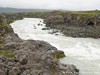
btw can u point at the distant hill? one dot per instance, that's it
(2, 10)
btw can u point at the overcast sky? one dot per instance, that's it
(52, 4)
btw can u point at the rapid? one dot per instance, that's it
(84, 53)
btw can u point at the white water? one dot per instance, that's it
(82, 52)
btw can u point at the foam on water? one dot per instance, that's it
(83, 52)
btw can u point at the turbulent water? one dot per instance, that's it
(82, 52)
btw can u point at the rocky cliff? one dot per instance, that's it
(28, 57)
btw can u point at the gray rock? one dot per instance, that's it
(26, 73)
(39, 24)
(2, 72)
(46, 73)
(45, 28)
(68, 69)
(10, 45)
(23, 60)
(3, 66)
(3, 69)
(2, 58)
(73, 68)
(36, 72)
(15, 71)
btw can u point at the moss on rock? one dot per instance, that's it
(58, 54)
(1, 42)
(4, 29)
(7, 54)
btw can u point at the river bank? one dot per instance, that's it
(75, 24)
(70, 24)
(79, 51)
(34, 57)
(84, 24)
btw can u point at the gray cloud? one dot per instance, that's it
(53, 4)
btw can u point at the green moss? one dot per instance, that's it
(58, 54)
(10, 21)
(1, 42)
(7, 54)
(5, 28)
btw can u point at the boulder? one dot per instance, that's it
(39, 24)
(23, 60)
(2, 58)
(45, 28)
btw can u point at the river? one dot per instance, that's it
(82, 52)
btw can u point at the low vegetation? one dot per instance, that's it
(1, 42)
(7, 53)
(4, 29)
(95, 12)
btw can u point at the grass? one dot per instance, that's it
(7, 54)
(1, 41)
(81, 13)
(87, 13)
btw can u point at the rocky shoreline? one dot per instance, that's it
(75, 25)
(71, 24)
(29, 57)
